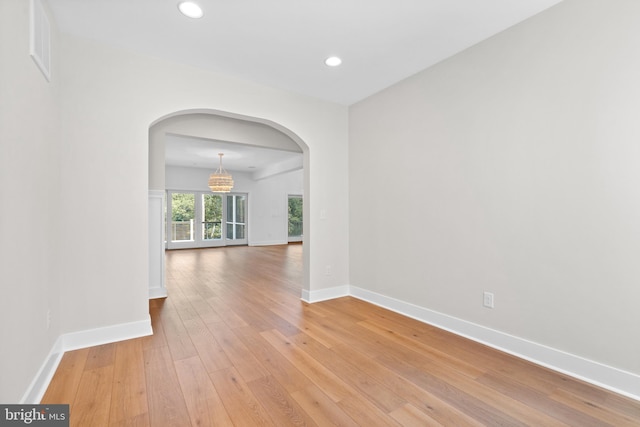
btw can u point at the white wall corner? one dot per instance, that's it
(40, 38)
(41, 381)
(75, 341)
(155, 293)
(324, 294)
(610, 378)
(156, 245)
(106, 335)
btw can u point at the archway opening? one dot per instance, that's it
(213, 125)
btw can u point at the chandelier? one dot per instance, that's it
(220, 181)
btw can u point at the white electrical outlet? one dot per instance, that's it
(48, 319)
(328, 270)
(487, 299)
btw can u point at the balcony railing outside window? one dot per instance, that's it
(182, 231)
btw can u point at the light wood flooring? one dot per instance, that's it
(235, 346)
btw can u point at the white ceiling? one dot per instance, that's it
(188, 151)
(283, 43)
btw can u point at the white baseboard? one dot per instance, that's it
(39, 385)
(325, 294)
(268, 243)
(106, 335)
(610, 378)
(75, 341)
(155, 293)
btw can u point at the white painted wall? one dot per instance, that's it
(514, 168)
(29, 187)
(269, 208)
(268, 198)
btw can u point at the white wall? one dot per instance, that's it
(515, 170)
(268, 208)
(29, 189)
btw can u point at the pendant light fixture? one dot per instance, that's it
(220, 181)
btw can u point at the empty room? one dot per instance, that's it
(140, 290)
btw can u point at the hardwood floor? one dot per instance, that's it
(234, 345)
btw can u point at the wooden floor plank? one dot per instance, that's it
(244, 361)
(366, 385)
(410, 416)
(241, 405)
(178, 339)
(323, 410)
(167, 405)
(428, 403)
(93, 400)
(204, 405)
(211, 353)
(406, 337)
(594, 409)
(101, 356)
(462, 399)
(230, 317)
(319, 374)
(205, 312)
(366, 413)
(282, 408)
(141, 420)
(65, 382)
(306, 321)
(278, 366)
(129, 396)
(536, 401)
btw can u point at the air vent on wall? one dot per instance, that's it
(40, 46)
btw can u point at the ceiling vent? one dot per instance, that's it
(40, 44)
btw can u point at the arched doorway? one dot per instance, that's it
(215, 125)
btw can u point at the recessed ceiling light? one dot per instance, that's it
(190, 9)
(333, 61)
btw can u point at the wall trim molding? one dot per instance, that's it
(77, 340)
(267, 243)
(157, 288)
(155, 293)
(106, 335)
(610, 378)
(41, 381)
(324, 294)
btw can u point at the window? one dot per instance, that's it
(236, 218)
(212, 221)
(182, 217)
(295, 218)
(203, 219)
